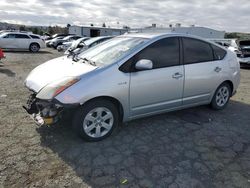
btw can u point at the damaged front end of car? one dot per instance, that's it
(43, 112)
(43, 107)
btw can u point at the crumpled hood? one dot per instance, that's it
(53, 70)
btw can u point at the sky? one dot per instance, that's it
(227, 15)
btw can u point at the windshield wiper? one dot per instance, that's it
(89, 61)
(74, 55)
(76, 58)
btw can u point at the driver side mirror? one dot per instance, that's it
(144, 64)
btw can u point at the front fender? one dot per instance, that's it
(108, 81)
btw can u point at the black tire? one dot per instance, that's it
(80, 115)
(217, 103)
(34, 47)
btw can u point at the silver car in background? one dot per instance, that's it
(71, 44)
(129, 77)
(86, 44)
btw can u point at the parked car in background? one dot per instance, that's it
(21, 40)
(46, 36)
(71, 44)
(129, 77)
(48, 42)
(232, 45)
(57, 41)
(84, 45)
(55, 35)
(244, 57)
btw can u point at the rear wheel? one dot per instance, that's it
(221, 96)
(34, 47)
(96, 120)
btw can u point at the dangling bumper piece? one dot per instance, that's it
(43, 112)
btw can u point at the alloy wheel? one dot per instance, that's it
(34, 48)
(98, 122)
(222, 96)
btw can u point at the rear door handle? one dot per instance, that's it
(217, 69)
(177, 75)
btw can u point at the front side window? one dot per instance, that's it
(196, 51)
(163, 53)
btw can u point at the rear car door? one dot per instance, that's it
(160, 88)
(203, 70)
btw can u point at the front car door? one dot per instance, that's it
(22, 41)
(161, 88)
(203, 70)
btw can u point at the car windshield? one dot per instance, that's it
(112, 50)
(76, 42)
(92, 40)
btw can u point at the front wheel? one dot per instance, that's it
(221, 96)
(96, 120)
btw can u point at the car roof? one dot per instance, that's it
(102, 37)
(25, 33)
(160, 35)
(17, 33)
(156, 36)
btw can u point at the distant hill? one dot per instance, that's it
(7, 26)
(35, 29)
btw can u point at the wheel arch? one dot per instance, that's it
(230, 84)
(35, 43)
(115, 101)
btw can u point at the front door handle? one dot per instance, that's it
(177, 75)
(217, 69)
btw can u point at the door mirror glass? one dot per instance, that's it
(144, 64)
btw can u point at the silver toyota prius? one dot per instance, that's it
(131, 76)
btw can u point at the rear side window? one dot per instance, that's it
(196, 51)
(21, 36)
(219, 53)
(35, 37)
(163, 53)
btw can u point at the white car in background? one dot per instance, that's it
(21, 40)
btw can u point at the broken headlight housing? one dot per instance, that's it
(53, 89)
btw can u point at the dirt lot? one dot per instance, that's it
(196, 147)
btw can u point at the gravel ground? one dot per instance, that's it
(196, 147)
